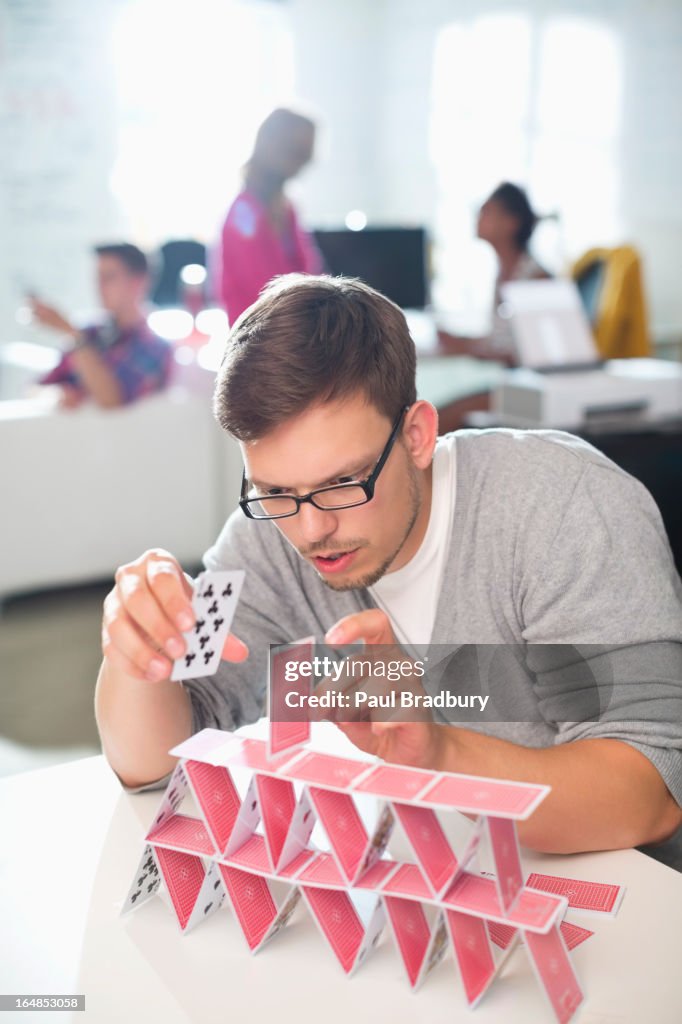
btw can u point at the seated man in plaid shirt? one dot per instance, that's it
(120, 360)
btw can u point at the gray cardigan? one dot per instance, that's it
(558, 570)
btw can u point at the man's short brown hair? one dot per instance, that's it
(309, 340)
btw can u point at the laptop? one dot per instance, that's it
(549, 325)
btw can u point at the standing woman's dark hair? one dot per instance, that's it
(515, 202)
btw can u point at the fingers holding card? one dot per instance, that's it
(214, 603)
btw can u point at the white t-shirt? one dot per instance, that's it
(409, 596)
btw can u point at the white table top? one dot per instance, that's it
(72, 840)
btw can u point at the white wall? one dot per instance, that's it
(58, 145)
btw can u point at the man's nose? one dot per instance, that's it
(315, 524)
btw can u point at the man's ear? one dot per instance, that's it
(420, 431)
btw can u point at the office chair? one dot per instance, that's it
(173, 256)
(611, 287)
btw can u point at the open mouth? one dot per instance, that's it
(335, 562)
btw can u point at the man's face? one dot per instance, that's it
(118, 288)
(329, 444)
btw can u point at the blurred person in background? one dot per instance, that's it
(506, 220)
(261, 237)
(119, 360)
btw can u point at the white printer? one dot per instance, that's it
(561, 382)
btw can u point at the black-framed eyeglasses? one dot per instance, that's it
(345, 495)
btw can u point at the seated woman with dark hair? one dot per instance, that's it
(506, 221)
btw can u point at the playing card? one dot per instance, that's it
(211, 897)
(325, 770)
(296, 864)
(199, 746)
(146, 882)
(300, 829)
(392, 782)
(289, 727)
(183, 833)
(339, 922)
(174, 794)
(573, 934)
(373, 930)
(323, 871)
(244, 752)
(500, 934)
(277, 803)
(342, 823)
(473, 894)
(253, 855)
(411, 931)
(378, 842)
(214, 603)
(377, 875)
(407, 881)
(475, 795)
(474, 955)
(247, 819)
(283, 915)
(252, 901)
(217, 797)
(183, 875)
(554, 969)
(598, 897)
(505, 847)
(438, 947)
(431, 847)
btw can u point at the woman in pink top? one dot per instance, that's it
(261, 236)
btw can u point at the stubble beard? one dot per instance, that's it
(373, 577)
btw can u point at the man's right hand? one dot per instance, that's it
(145, 614)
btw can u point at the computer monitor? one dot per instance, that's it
(392, 260)
(549, 325)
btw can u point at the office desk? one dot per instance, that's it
(66, 863)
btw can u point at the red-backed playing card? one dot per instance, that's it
(277, 803)
(252, 901)
(431, 847)
(376, 875)
(300, 829)
(393, 782)
(473, 952)
(412, 933)
(184, 833)
(343, 825)
(408, 880)
(476, 895)
(183, 874)
(550, 958)
(217, 796)
(500, 934)
(252, 855)
(505, 846)
(485, 796)
(600, 897)
(339, 923)
(325, 770)
(324, 871)
(573, 934)
(289, 726)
